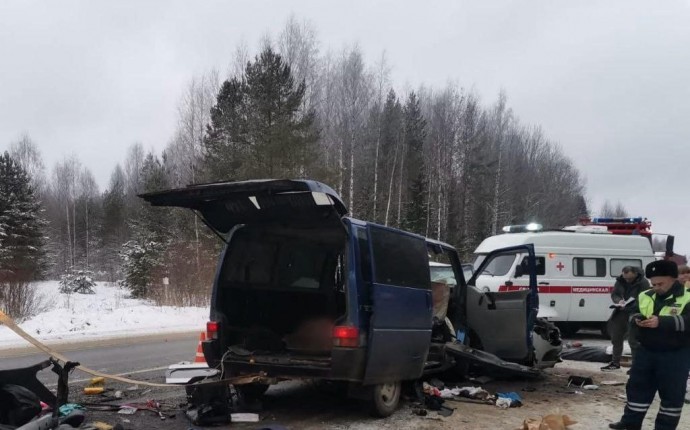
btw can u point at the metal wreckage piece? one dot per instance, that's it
(26, 378)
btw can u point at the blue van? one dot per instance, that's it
(303, 291)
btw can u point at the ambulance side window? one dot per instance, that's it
(540, 262)
(617, 265)
(589, 267)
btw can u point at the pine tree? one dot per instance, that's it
(143, 256)
(226, 137)
(391, 137)
(257, 128)
(415, 132)
(113, 230)
(21, 226)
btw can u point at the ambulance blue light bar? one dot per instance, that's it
(622, 220)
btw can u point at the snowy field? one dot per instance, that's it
(106, 314)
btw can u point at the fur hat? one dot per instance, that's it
(662, 268)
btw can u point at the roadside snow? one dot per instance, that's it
(106, 314)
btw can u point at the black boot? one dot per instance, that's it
(611, 366)
(623, 426)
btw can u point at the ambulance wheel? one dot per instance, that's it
(568, 329)
(385, 399)
(605, 331)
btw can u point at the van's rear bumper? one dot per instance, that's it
(345, 364)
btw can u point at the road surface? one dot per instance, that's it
(146, 356)
(305, 406)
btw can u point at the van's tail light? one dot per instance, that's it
(346, 336)
(212, 329)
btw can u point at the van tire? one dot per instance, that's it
(385, 399)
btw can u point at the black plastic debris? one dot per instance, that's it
(18, 405)
(579, 381)
(591, 354)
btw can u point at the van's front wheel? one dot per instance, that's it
(385, 399)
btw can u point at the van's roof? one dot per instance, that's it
(363, 223)
(571, 243)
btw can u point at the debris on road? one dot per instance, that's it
(579, 381)
(612, 383)
(127, 410)
(96, 386)
(26, 403)
(508, 400)
(592, 354)
(244, 417)
(187, 373)
(68, 408)
(548, 422)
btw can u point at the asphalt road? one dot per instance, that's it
(146, 356)
(296, 405)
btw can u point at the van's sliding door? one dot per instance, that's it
(400, 326)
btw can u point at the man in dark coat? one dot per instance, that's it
(629, 284)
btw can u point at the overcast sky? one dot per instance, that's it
(609, 81)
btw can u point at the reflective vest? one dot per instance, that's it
(673, 305)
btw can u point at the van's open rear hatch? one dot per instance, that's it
(226, 204)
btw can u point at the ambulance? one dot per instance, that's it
(577, 267)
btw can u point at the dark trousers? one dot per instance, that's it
(620, 328)
(652, 371)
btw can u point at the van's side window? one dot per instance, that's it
(589, 267)
(617, 265)
(399, 259)
(540, 262)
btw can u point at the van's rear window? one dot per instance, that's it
(400, 259)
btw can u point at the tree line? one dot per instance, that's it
(435, 161)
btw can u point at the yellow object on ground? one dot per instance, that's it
(93, 390)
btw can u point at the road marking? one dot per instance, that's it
(135, 372)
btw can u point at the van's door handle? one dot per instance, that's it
(544, 283)
(428, 301)
(582, 303)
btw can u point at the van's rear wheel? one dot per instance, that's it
(385, 399)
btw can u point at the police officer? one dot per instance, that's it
(663, 359)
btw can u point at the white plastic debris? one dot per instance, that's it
(612, 383)
(503, 402)
(449, 393)
(474, 393)
(244, 417)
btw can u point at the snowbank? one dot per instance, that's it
(106, 314)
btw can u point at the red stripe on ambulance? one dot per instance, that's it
(560, 289)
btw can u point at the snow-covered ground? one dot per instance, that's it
(106, 314)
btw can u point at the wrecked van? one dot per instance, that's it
(303, 291)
